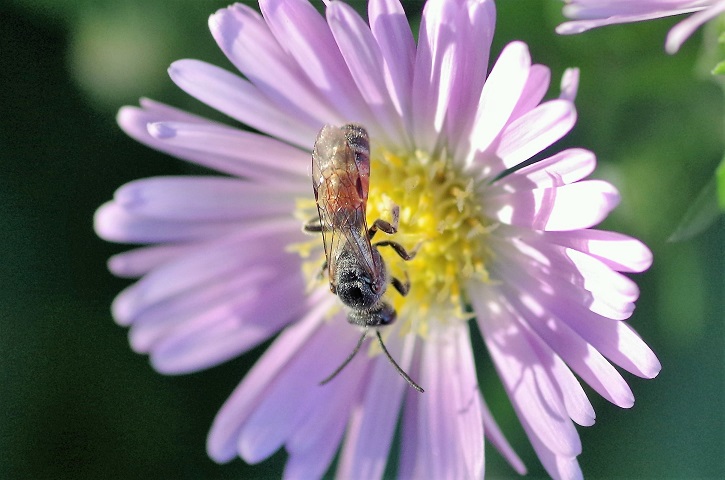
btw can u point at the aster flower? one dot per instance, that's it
(503, 239)
(597, 13)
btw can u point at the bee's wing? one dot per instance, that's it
(358, 141)
(357, 234)
(330, 236)
(341, 194)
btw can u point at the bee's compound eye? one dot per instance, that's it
(387, 315)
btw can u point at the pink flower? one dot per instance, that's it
(596, 13)
(503, 239)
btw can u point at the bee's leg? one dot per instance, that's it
(323, 268)
(389, 228)
(381, 225)
(312, 226)
(399, 249)
(402, 288)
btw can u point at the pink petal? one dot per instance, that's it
(215, 301)
(619, 252)
(535, 399)
(565, 167)
(559, 467)
(569, 84)
(579, 26)
(449, 431)
(469, 417)
(315, 442)
(474, 25)
(221, 258)
(303, 32)
(372, 426)
(206, 346)
(222, 439)
(685, 28)
(204, 199)
(256, 157)
(135, 121)
(569, 207)
(500, 95)
(238, 98)
(597, 277)
(584, 359)
(392, 32)
(113, 223)
(496, 437)
(365, 61)
(615, 340)
(246, 40)
(620, 343)
(576, 403)
(606, 8)
(413, 447)
(551, 270)
(534, 131)
(295, 392)
(572, 394)
(552, 435)
(222, 331)
(330, 406)
(434, 71)
(536, 87)
(159, 111)
(137, 262)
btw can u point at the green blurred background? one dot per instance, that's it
(77, 403)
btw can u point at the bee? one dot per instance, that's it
(355, 268)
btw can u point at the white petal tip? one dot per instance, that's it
(672, 47)
(653, 370)
(215, 18)
(569, 84)
(571, 28)
(121, 311)
(118, 266)
(217, 450)
(249, 448)
(124, 113)
(176, 68)
(161, 131)
(164, 366)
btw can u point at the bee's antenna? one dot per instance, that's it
(387, 354)
(397, 367)
(349, 358)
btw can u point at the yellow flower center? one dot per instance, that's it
(440, 218)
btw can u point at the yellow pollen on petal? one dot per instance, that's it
(306, 212)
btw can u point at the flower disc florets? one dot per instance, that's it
(440, 216)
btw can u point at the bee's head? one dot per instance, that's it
(380, 315)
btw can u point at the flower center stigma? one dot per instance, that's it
(440, 219)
